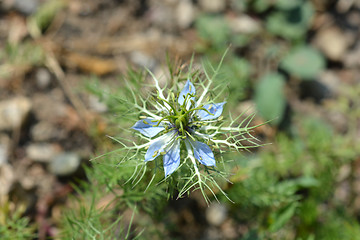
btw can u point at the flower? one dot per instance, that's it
(180, 119)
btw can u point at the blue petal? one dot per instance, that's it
(188, 88)
(158, 146)
(203, 153)
(172, 159)
(214, 108)
(146, 127)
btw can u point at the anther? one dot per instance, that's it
(155, 153)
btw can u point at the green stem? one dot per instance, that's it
(199, 108)
(162, 119)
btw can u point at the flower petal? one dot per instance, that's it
(214, 108)
(158, 145)
(188, 88)
(203, 153)
(147, 127)
(172, 158)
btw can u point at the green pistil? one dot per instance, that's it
(188, 95)
(166, 101)
(180, 116)
(162, 119)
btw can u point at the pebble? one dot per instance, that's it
(43, 78)
(333, 43)
(163, 16)
(212, 6)
(96, 105)
(352, 58)
(142, 59)
(244, 24)
(44, 131)
(7, 178)
(13, 112)
(4, 148)
(331, 80)
(216, 214)
(185, 14)
(64, 164)
(42, 152)
(344, 173)
(26, 7)
(49, 107)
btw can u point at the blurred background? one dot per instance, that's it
(295, 62)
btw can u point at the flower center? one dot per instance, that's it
(181, 121)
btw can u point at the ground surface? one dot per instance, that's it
(48, 119)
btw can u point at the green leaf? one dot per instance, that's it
(281, 217)
(270, 98)
(291, 23)
(262, 5)
(286, 4)
(305, 62)
(214, 29)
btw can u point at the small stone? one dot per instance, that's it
(4, 148)
(7, 178)
(352, 58)
(44, 131)
(27, 7)
(216, 214)
(163, 16)
(244, 24)
(331, 80)
(13, 112)
(212, 6)
(229, 229)
(49, 107)
(42, 152)
(185, 14)
(333, 43)
(343, 6)
(342, 192)
(43, 78)
(33, 178)
(3, 155)
(344, 172)
(64, 164)
(142, 59)
(96, 105)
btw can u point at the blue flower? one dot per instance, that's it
(182, 122)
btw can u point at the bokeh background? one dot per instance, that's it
(295, 62)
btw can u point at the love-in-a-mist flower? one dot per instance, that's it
(182, 127)
(182, 122)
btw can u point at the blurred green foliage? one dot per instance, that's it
(269, 97)
(13, 223)
(304, 62)
(289, 188)
(291, 19)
